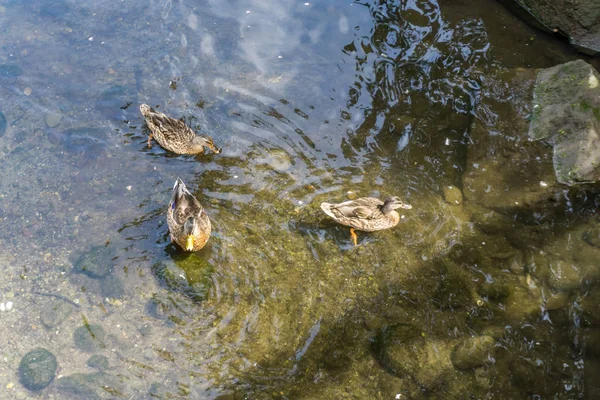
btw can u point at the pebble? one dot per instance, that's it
(37, 369)
(453, 195)
(9, 305)
(53, 118)
(2, 307)
(27, 91)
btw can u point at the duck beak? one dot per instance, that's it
(189, 243)
(406, 206)
(216, 150)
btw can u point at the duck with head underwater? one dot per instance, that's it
(189, 225)
(366, 214)
(174, 135)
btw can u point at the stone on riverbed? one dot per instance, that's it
(3, 124)
(54, 312)
(37, 369)
(566, 115)
(96, 263)
(404, 350)
(473, 352)
(90, 338)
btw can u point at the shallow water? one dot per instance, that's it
(310, 102)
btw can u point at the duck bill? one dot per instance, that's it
(406, 206)
(189, 243)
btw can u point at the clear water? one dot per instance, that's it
(310, 102)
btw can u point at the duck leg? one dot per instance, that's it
(149, 140)
(354, 236)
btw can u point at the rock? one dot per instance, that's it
(3, 124)
(473, 352)
(557, 301)
(55, 9)
(53, 118)
(590, 306)
(592, 237)
(566, 115)
(453, 195)
(98, 361)
(172, 275)
(37, 369)
(112, 286)
(90, 338)
(96, 263)
(577, 20)
(403, 350)
(54, 312)
(10, 71)
(94, 386)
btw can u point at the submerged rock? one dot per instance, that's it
(473, 352)
(10, 71)
(90, 338)
(566, 115)
(96, 263)
(403, 350)
(37, 369)
(54, 312)
(577, 20)
(453, 195)
(98, 361)
(3, 124)
(94, 386)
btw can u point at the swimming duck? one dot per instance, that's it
(366, 214)
(189, 225)
(174, 135)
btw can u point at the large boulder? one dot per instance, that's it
(566, 115)
(578, 20)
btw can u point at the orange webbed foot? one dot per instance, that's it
(354, 236)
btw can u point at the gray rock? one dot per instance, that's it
(98, 361)
(37, 369)
(54, 312)
(10, 71)
(94, 386)
(566, 115)
(90, 338)
(53, 118)
(473, 352)
(577, 20)
(112, 286)
(96, 263)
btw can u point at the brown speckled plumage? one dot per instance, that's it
(185, 209)
(174, 135)
(367, 213)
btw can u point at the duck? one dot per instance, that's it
(367, 214)
(174, 135)
(189, 225)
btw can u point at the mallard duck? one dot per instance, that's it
(366, 214)
(174, 135)
(189, 225)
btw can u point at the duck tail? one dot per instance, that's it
(179, 192)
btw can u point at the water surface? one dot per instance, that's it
(311, 102)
